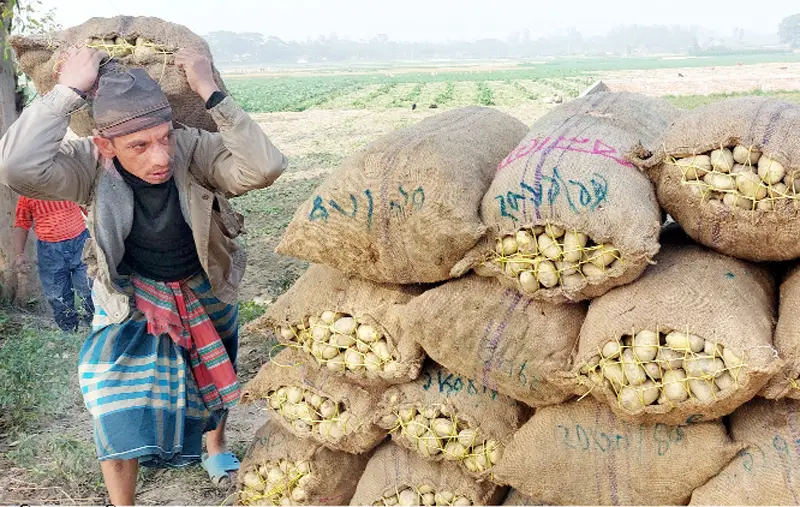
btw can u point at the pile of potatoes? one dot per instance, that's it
(311, 413)
(281, 482)
(431, 433)
(547, 256)
(422, 495)
(340, 343)
(739, 177)
(664, 367)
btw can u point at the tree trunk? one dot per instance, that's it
(20, 289)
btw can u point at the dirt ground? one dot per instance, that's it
(706, 80)
(315, 141)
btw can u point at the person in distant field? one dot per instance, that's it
(60, 233)
(158, 370)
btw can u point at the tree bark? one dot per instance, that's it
(17, 288)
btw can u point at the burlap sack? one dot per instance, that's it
(405, 209)
(478, 328)
(333, 475)
(767, 125)
(764, 473)
(321, 289)
(580, 453)
(38, 57)
(393, 469)
(785, 384)
(571, 171)
(473, 406)
(690, 290)
(356, 404)
(514, 497)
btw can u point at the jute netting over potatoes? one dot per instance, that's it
(312, 404)
(282, 469)
(476, 327)
(691, 339)
(786, 383)
(765, 472)
(397, 476)
(405, 208)
(142, 42)
(569, 216)
(729, 174)
(443, 416)
(346, 325)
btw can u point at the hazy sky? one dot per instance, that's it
(435, 20)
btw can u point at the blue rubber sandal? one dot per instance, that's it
(218, 467)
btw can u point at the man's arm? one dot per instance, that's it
(240, 157)
(35, 161)
(19, 234)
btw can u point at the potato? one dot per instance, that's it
(722, 160)
(634, 372)
(645, 345)
(725, 381)
(669, 359)
(750, 185)
(548, 247)
(705, 391)
(614, 373)
(528, 282)
(566, 268)
(778, 190)
(509, 245)
(367, 333)
(765, 205)
(700, 366)
(635, 398)
(574, 243)
(603, 255)
(674, 385)
(547, 274)
(770, 171)
(553, 231)
(732, 200)
(526, 243)
(593, 273)
(345, 326)
(744, 155)
(572, 281)
(694, 167)
(611, 349)
(685, 342)
(719, 181)
(653, 370)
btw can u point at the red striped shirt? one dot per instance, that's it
(52, 221)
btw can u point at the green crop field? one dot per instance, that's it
(505, 87)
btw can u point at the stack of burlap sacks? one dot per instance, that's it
(549, 338)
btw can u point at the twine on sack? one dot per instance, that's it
(463, 442)
(748, 193)
(554, 265)
(369, 358)
(704, 366)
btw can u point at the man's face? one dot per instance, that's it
(147, 154)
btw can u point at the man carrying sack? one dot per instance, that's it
(157, 370)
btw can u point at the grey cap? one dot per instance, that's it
(127, 102)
